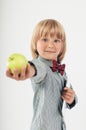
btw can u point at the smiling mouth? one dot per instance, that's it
(50, 51)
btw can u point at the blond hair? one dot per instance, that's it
(48, 27)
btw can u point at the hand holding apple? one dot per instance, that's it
(16, 61)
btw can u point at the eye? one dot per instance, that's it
(57, 40)
(45, 39)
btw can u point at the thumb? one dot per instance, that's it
(66, 88)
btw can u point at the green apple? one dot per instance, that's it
(16, 61)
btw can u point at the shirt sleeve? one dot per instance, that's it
(69, 106)
(41, 71)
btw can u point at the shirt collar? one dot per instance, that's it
(48, 62)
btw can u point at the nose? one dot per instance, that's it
(50, 44)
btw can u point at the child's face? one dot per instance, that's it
(49, 47)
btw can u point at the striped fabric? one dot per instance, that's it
(47, 102)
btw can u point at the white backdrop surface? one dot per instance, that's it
(17, 20)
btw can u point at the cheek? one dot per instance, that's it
(59, 48)
(40, 48)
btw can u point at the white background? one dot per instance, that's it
(17, 20)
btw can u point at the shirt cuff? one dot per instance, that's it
(72, 104)
(33, 67)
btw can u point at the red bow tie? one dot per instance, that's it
(58, 67)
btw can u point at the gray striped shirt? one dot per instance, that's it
(47, 102)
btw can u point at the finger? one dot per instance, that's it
(69, 90)
(8, 73)
(16, 74)
(67, 99)
(66, 89)
(23, 71)
(23, 74)
(69, 93)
